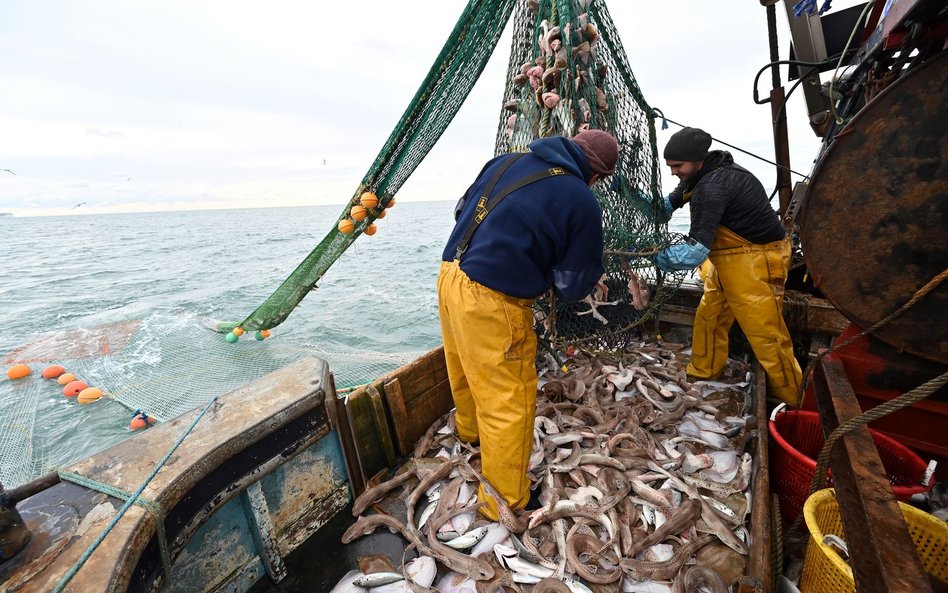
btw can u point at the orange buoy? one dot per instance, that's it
(89, 395)
(73, 389)
(18, 371)
(140, 420)
(238, 331)
(358, 212)
(346, 226)
(381, 214)
(66, 378)
(369, 200)
(51, 372)
(265, 333)
(391, 203)
(370, 230)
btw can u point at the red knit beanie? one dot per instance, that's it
(601, 149)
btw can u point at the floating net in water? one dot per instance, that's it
(166, 365)
(584, 81)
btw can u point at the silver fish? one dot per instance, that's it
(377, 579)
(469, 539)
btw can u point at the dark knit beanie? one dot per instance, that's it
(601, 149)
(688, 144)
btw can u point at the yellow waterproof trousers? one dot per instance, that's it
(490, 348)
(746, 282)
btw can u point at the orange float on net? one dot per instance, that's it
(391, 203)
(75, 388)
(370, 230)
(265, 333)
(369, 200)
(18, 371)
(89, 395)
(346, 226)
(66, 378)
(358, 212)
(238, 331)
(140, 420)
(51, 372)
(381, 214)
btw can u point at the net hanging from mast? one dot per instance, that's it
(567, 72)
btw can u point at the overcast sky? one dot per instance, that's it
(132, 106)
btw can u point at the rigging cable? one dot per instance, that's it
(656, 112)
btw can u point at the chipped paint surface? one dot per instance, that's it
(218, 550)
(301, 483)
(100, 512)
(264, 538)
(243, 431)
(301, 529)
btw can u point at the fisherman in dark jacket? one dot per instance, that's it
(538, 225)
(734, 227)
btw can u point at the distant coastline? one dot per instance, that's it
(6, 214)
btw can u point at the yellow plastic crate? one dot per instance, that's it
(824, 571)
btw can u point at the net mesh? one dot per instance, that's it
(584, 81)
(568, 72)
(168, 365)
(437, 101)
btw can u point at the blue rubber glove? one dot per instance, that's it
(681, 257)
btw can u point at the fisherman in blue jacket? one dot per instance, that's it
(529, 222)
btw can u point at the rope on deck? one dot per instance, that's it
(146, 503)
(894, 405)
(919, 294)
(903, 401)
(132, 499)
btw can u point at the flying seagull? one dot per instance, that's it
(8, 171)
(79, 204)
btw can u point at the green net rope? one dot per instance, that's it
(567, 72)
(437, 101)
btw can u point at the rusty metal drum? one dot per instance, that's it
(874, 226)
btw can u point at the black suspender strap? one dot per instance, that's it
(487, 202)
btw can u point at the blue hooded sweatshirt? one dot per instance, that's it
(548, 233)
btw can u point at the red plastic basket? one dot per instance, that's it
(797, 438)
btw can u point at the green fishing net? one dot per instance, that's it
(568, 71)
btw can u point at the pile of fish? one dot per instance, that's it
(642, 477)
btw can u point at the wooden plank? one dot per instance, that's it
(880, 548)
(821, 316)
(370, 448)
(419, 377)
(760, 552)
(425, 408)
(382, 427)
(338, 418)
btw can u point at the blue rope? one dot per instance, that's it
(149, 505)
(128, 503)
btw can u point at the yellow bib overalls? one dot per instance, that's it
(746, 282)
(490, 349)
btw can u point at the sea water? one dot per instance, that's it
(168, 274)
